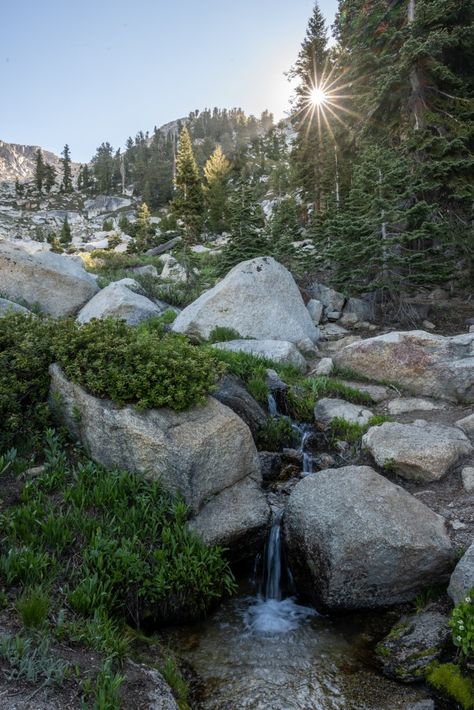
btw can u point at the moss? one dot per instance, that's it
(449, 680)
(382, 650)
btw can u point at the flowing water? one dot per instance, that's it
(267, 652)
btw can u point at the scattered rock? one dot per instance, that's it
(59, 285)
(231, 392)
(378, 393)
(146, 270)
(332, 331)
(427, 364)
(163, 248)
(279, 351)
(331, 300)
(119, 302)
(172, 270)
(333, 315)
(324, 367)
(467, 424)
(468, 479)
(420, 451)
(402, 405)
(201, 453)
(462, 579)
(356, 540)
(357, 310)
(413, 644)
(258, 299)
(328, 409)
(428, 325)
(315, 309)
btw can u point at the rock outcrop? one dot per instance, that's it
(280, 351)
(356, 540)
(327, 409)
(201, 453)
(424, 363)
(258, 299)
(56, 283)
(231, 392)
(118, 301)
(418, 451)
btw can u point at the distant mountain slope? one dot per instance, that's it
(17, 162)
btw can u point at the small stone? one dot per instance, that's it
(471, 328)
(402, 405)
(315, 309)
(457, 524)
(429, 325)
(324, 367)
(333, 315)
(327, 409)
(468, 479)
(466, 424)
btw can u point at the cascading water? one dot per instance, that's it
(272, 612)
(305, 431)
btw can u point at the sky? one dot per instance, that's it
(86, 71)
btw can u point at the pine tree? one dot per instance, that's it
(39, 170)
(188, 203)
(50, 177)
(216, 173)
(65, 236)
(313, 139)
(284, 228)
(103, 168)
(247, 237)
(143, 230)
(66, 182)
(19, 188)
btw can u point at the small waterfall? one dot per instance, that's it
(304, 432)
(272, 406)
(273, 560)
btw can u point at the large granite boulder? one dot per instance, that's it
(424, 363)
(8, 307)
(280, 351)
(356, 540)
(57, 283)
(118, 301)
(462, 579)
(418, 451)
(105, 203)
(258, 299)
(199, 453)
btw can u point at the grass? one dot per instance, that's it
(33, 607)
(303, 397)
(340, 429)
(177, 683)
(449, 680)
(276, 434)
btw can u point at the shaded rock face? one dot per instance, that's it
(462, 579)
(259, 299)
(199, 453)
(327, 409)
(118, 301)
(426, 364)
(105, 203)
(332, 300)
(418, 451)
(356, 540)
(413, 644)
(233, 394)
(279, 351)
(59, 285)
(8, 307)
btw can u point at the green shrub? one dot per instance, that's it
(276, 434)
(448, 679)
(25, 354)
(107, 225)
(33, 607)
(221, 334)
(462, 625)
(136, 366)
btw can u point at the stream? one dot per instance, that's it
(265, 651)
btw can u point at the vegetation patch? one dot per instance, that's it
(449, 680)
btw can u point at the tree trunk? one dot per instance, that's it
(417, 99)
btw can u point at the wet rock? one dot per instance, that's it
(279, 351)
(402, 405)
(462, 579)
(258, 299)
(118, 301)
(418, 451)
(413, 644)
(426, 364)
(270, 464)
(231, 392)
(328, 409)
(356, 540)
(58, 284)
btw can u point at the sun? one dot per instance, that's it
(318, 96)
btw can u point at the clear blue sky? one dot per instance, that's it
(86, 71)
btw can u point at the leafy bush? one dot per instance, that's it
(462, 625)
(276, 434)
(133, 366)
(448, 679)
(25, 354)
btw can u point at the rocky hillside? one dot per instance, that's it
(17, 162)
